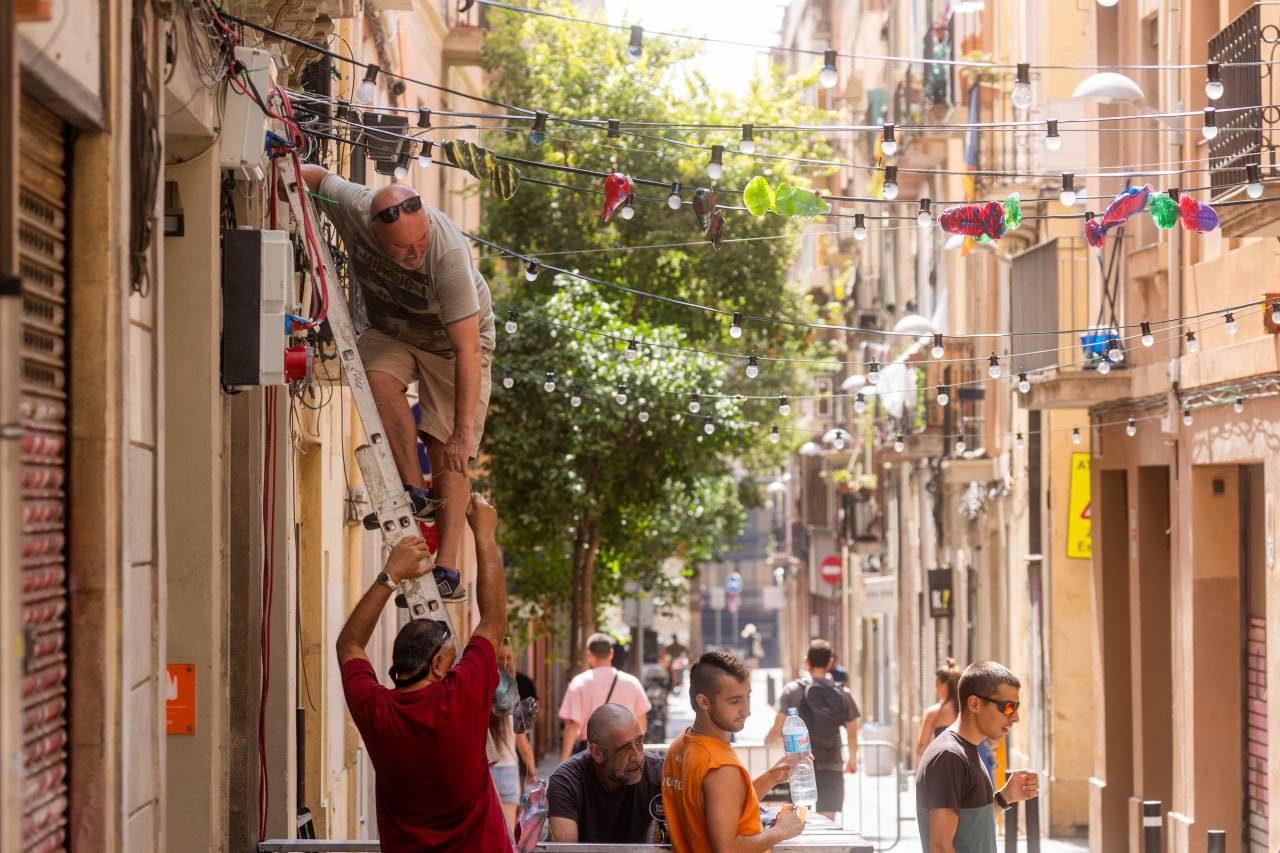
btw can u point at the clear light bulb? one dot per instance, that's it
(532, 270)
(508, 382)
(1210, 131)
(827, 77)
(1193, 345)
(538, 134)
(735, 328)
(753, 370)
(839, 440)
(635, 48)
(1147, 338)
(1104, 366)
(633, 351)
(1022, 96)
(1131, 428)
(1254, 189)
(1067, 197)
(511, 325)
(621, 395)
(1187, 419)
(859, 402)
(889, 147)
(1076, 438)
(1238, 406)
(401, 173)
(937, 351)
(890, 191)
(943, 396)
(960, 445)
(1213, 89)
(674, 201)
(873, 373)
(1275, 313)
(365, 93)
(709, 427)
(643, 416)
(774, 435)
(747, 146)
(695, 404)
(550, 384)
(784, 408)
(1052, 139)
(924, 219)
(1116, 354)
(1024, 384)
(628, 211)
(859, 230)
(715, 171)
(575, 401)
(1019, 442)
(1231, 325)
(993, 368)
(898, 444)
(424, 160)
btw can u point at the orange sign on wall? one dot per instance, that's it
(180, 699)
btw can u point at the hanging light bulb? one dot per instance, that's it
(1103, 367)
(993, 366)
(424, 154)
(1213, 88)
(1192, 344)
(643, 416)
(1275, 313)
(575, 399)
(753, 366)
(1253, 175)
(774, 435)
(888, 144)
(735, 327)
(1021, 95)
(532, 270)
(1131, 428)
(550, 384)
(367, 89)
(1019, 442)
(748, 143)
(633, 350)
(960, 445)
(511, 325)
(715, 169)
(1076, 438)
(1238, 406)
(508, 381)
(898, 444)
(784, 408)
(621, 395)
(695, 404)
(890, 189)
(827, 77)
(1115, 352)
(1052, 140)
(937, 351)
(424, 118)
(1068, 194)
(873, 373)
(859, 402)
(943, 396)
(1187, 420)
(402, 165)
(1147, 338)
(925, 218)
(859, 226)
(628, 209)
(709, 426)
(838, 442)
(538, 135)
(1210, 129)
(636, 47)
(1024, 384)
(674, 200)
(1231, 325)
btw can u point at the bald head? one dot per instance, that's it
(610, 723)
(404, 241)
(617, 745)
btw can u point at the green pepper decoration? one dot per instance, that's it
(1012, 212)
(1164, 211)
(758, 196)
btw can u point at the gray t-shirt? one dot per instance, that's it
(413, 306)
(951, 776)
(824, 730)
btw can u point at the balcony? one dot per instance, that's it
(1246, 137)
(464, 43)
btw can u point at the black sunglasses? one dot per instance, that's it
(412, 204)
(1006, 706)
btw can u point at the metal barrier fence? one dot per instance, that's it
(877, 754)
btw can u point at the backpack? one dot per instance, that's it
(823, 711)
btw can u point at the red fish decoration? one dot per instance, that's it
(974, 220)
(1124, 206)
(617, 187)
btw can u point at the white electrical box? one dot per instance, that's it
(242, 145)
(257, 274)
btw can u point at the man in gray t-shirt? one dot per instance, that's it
(431, 319)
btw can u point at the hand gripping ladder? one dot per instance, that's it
(378, 467)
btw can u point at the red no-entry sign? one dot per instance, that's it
(831, 569)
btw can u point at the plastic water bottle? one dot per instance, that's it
(795, 738)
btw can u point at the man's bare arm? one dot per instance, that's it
(775, 733)
(564, 830)
(464, 335)
(405, 562)
(942, 830)
(568, 738)
(491, 582)
(312, 175)
(723, 793)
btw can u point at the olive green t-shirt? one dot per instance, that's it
(951, 776)
(414, 306)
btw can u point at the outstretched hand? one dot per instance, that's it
(408, 559)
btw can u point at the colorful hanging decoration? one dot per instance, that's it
(758, 196)
(785, 200)
(1012, 212)
(617, 187)
(1121, 209)
(985, 219)
(482, 164)
(1163, 210)
(709, 217)
(1197, 216)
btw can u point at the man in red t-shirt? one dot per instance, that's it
(426, 738)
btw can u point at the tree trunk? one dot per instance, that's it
(581, 602)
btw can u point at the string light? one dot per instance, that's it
(709, 426)
(1210, 129)
(1131, 428)
(925, 217)
(532, 270)
(898, 444)
(1103, 366)
(715, 169)
(695, 404)
(615, 128)
(1238, 406)
(735, 327)
(366, 91)
(1213, 88)
(890, 189)
(748, 143)
(1024, 384)
(424, 154)
(873, 373)
(1021, 95)
(538, 134)
(1019, 442)
(859, 402)
(402, 165)
(784, 408)
(1231, 325)
(628, 209)
(621, 395)
(753, 366)
(859, 226)
(635, 49)
(424, 118)
(888, 144)
(774, 435)
(1275, 313)
(1052, 139)
(1115, 352)
(993, 366)
(943, 396)
(511, 325)
(827, 77)
(1187, 420)
(550, 384)
(1253, 174)
(633, 350)
(838, 441)
(575, 399)
(937, 351)
(1068, 194)
(960, 445)
(674, 201)
(508, 381)
(1147, 338)
(1076, 438)
(1192, 344)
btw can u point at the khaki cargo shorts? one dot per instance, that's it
(434, 375)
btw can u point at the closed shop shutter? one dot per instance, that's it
(43, 409)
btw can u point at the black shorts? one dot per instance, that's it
(830, 790)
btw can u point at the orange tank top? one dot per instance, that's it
(689, 759)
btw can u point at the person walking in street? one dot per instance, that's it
(431, 322)
(941, 714)
(426, 737)
(709, 799)
(511, 762)
(954, 794)
(611, 792)
(599, 685)
(826, 708)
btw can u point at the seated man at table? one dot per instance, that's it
(606, 794)
(710, 802)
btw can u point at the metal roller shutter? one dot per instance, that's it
(42, 248)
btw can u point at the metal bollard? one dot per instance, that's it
(1217, 841)
(771, 690)
(1152, 826)
(1033, 825)
(1011, 829)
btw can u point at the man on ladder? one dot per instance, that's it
(431, 321)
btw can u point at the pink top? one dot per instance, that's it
(588, 690)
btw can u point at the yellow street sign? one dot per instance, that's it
(1079, 522)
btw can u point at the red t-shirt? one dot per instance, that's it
(427, 746)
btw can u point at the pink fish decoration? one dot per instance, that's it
(617, 187)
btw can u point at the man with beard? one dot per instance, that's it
(954, 794)
(431, 319)
(606, 793)
(710, 801)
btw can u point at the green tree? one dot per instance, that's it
(592, 496)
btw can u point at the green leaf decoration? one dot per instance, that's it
(1012, 212)
(758, 196)
(1164, 211)
(793, 201)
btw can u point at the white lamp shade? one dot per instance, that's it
(1109, 87)
(915, 324)
(856, 382)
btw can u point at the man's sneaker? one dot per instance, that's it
(448, 584)
(424, 507)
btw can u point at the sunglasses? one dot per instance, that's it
(412, 204)
(1006, 706)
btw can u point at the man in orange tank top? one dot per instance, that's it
(709, 800)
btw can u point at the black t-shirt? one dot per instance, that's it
(951, 776)
(621, 817)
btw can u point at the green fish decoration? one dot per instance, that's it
(1164, 211)
(758, 196)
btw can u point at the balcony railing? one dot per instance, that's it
(1244, 137)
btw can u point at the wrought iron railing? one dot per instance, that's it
(1243, 136)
